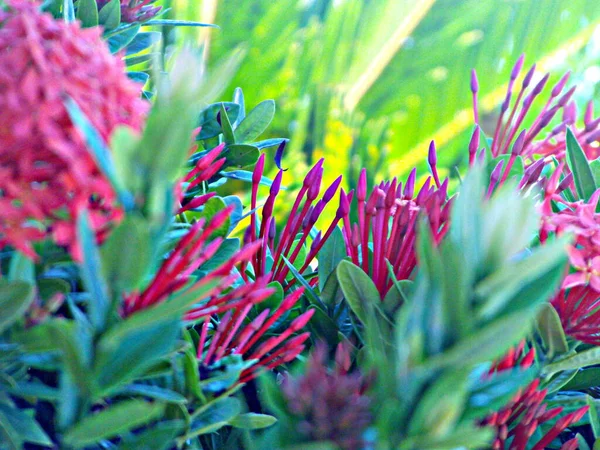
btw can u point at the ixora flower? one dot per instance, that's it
(135, 10)
(290, 244)
(519, 423)
(47, 174)
(387, 218)
(579, 312)
(539, 139)
(329, 405)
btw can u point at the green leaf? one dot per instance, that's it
(488, 343)
(577, 361)
(159, 437)
(228, 134)
(141, 42)
(15, 298)
(216, 416)
(208, 119)
(252, 421)
(21, 268)
(120, 40)
(256, 122)
(332, 252)
(242, 155)
(92, 274)
(579, 166)
(154, 392)
(584, 379)
(110, 15)
(245, 175)
(139, 77)
(68, 11)
(87, 13)
(130, 348)
(17, 427)
(525, 283)
(177, 23)
(551, 331)
(97, 147)
(226, 250)
(126, 254)
(359, 291)
(112, 422)
(212, 207)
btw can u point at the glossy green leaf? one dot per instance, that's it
(216, 416)
(551, 331)
(579, 166)
(68, 11)
(92, 273)
(210, 127)
(87, 13)
(120, 40)
(241, 155)
(126, 254)
(110, 15)
(332, 252)
(17, 427)
(212, 207)
(21, 268)
(154, 393)
(252, 421)
(359, 291)
(256, 122)
(227, 129)
(159, 437)
(112, 422)
(579, 360)
(226, 250)
(15, 298)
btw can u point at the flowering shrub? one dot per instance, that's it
(143, 307)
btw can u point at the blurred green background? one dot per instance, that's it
(367, 83)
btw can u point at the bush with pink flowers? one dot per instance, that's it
(143, 305)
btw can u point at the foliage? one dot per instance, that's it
(431, 315)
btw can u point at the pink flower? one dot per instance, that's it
(518, 421)
(255, 339)
(578, 309)
(135, 10)
(47, 174)
(304, 213)
(388, 219)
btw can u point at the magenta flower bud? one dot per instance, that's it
(536, 171)
(592, 125)
(474, 143)
(570, 113)
(315, 186)
(313, 173)
(566, 97)
(443, 191)
(374, 200)
(424, 191)
(540, 86)
(595, 136)
(344, 207)
(481, 156)
(547, 117)
(528, 77)
(272, 228)
(276, 186)
(409, 187)
(565, 183)
(518, 145)
(432, 156)
(495, 176)
(355, 238)
(331, 190)
(247, 235)
(315, 243)
(517, 67)
(558, 87)
(258, 169)
(506, 103)
(390, 196)
(361, 188)
(474, 82)
(314, 215)
(589, 113)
